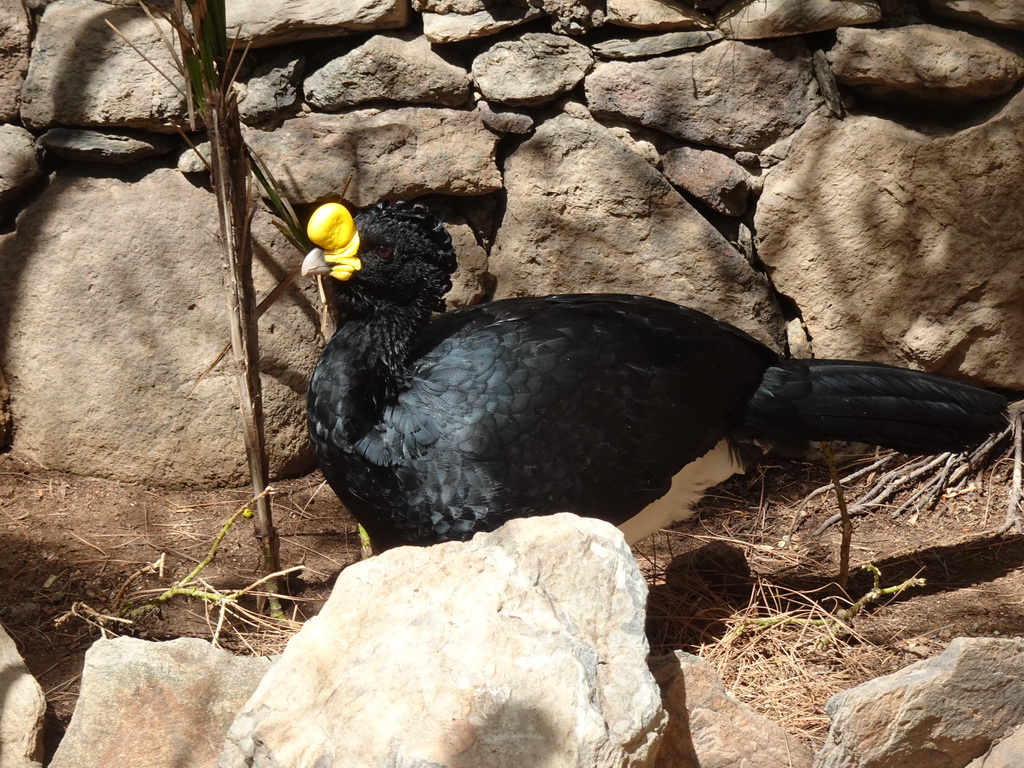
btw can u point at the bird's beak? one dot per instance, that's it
(338, 266)
(333, 230)
(315, 263)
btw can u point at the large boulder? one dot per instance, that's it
(641, 46)
(714, 178)
(106, 329)
(449, 21)
(996, 13)
(490, 653)
(532, 70)
(902, 245)
(1005, 754)
(586, 214)
(271, 87)
(115, 147)
(655, 15)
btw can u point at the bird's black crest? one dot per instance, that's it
(441, 254)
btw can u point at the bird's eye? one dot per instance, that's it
(384, 252)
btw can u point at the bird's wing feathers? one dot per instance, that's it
(504, 398)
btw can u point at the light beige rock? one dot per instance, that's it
(390, 69)
(455, 25)
(584, 213)
(19, 163)
(117, 148)
(655, 45)
(460, 7)
(714, 178)
(535, 69)
(471, 281)
(259, 23)
(738, 96)
(994, 13)
(22, 707)
(496, 655)
(195, 159)
(156, 705)
(502, 120)
(709, 729)
(407, 152)
(83, 73)
(271, 88)
(111, 289)
(903, 246)
(573, 17)
(760, 19)
(465, 219)
(14, 50)
(1006, 754)
(943, 711)
(656, 15)
(924, 62)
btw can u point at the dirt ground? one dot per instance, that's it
(77, 549)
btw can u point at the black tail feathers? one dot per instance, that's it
(908, 411)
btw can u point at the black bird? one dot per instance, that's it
(434, 427)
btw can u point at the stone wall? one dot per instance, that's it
(838, 178)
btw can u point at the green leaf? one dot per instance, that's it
(290, 225)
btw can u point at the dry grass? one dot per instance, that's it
(785, 654)
(238, 620)
(782, 651)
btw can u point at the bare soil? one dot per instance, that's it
(78, 549)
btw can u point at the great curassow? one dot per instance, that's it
(435, 427)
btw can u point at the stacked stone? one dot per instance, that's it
(861, 159)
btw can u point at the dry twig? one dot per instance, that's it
(847, 535)
(938, 474)
(184, 586)
(1016, 500)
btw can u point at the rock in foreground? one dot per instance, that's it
(524, 647)
(938, 713)
(708, 728)
(155, 705)
(21, 710)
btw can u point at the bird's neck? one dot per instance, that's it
(388, 335)
(369, 358)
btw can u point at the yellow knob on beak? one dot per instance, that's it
(333, 230)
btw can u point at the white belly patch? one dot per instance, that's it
(687, 487)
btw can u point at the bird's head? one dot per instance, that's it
(400, 252)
